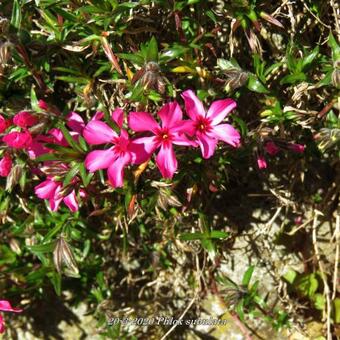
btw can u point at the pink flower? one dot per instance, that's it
(123, 152)
(4, 124)
(51, 190)
(171, 131)
(261, 162)
(5, 166)
(271, 148)
(207, 125)
(5, 306)
(18, 140)
(24, 119)
(299, 148)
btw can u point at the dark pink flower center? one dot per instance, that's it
(203, 124)
(121, 145)
(164, 135)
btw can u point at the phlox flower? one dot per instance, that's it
(51, 190)
(5, 306)
(55, 136)
(122, 152)
(206, 124)
(171, 131)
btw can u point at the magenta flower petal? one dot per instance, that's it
(118, 117)
(71, 201)
(150, 143)
(193, 105)
(97, 132)
(24, 119)
(170, 114)
(46, 189)
(98, 115)
(228, 134)
(207, 145)
(138, 153)
(166, 160)
(55, 203)
(5, 166)
(58, 137)
(37, 147)
(116, 170)
(181, 139)
(219, 109)
(142, 121)
(99, 159)
(5, 306)
(75, 122)
(184, 126)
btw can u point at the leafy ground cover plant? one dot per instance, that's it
(146, 144)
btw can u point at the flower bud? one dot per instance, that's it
(4, 124)
(24, 119)
(15, 246)
(271, 148)
(261, 162)
(18, 140)
(14, 177)
(63, 254)
(5, 166)
(43, 105)
(299, 148)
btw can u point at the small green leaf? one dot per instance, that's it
(34, 101)
(72, 143)
(56, 282)
(293, 78)
(255, 85)
(310, 57)
(42, 248)
(319, 301)
(16, 14)
(218, 234)
(307, 284)
(290, 276)
(71, 174)
(86, 177)
(334, 46)
(336, 304)
(247, 276)
(152, 50)
(192, 236)
(240, 310)
(135, 58)
(49, 157)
